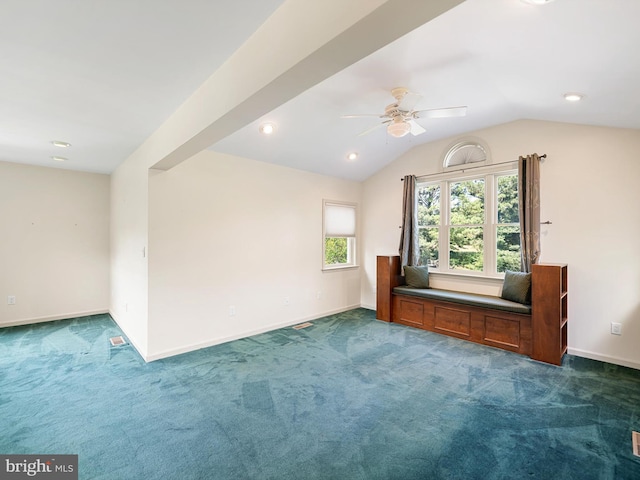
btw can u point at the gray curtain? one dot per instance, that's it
(409, 242)
(529, 201)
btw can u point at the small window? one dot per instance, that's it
(339, 234)
(464, 153)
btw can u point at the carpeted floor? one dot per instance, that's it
(348, 398)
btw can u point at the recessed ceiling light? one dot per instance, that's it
(573, 97)
(536, 2)
(352, 156)
(60, 144)
(59, 159)
(267, 128)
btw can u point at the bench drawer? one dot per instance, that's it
(410, 312)
(505, 330)
(450, 320)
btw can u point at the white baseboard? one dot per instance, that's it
(51, 318)
(368, 307)
(603, 358)
(250, 333)
(132, 341)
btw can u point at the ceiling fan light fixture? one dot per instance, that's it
(398, 129)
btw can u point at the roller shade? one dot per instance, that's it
(339, 220)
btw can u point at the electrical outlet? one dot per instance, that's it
(232, 311)
(616, 328)
(11, 300)
(287, 301)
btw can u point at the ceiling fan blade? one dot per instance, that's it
(369, 130)
(375, 127)
(363, 115)
(441, 112)
(416, 129)
(409, 101)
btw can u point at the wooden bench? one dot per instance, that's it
(536, 332)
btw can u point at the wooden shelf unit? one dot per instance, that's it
(388, 276)
(549, 316)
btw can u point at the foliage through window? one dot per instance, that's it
(470, 224)
(508, 226)
(336, 250)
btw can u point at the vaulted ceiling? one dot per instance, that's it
(105, 75)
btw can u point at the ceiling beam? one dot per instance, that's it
(300, 45)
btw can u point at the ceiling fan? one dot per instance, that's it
(400, 117)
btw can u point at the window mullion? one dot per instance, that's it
(491, 219)
(446, 225)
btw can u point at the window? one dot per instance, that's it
(339, 235)
(465, 152)
(466, 224)
(508, 225)
(470, 224)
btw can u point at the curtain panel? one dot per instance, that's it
(409, 241)
(529, 204)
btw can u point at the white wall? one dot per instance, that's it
(334, 35)
(54, 247)
(128, 300)
(589, 190)
(227, 231)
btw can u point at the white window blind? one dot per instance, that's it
(339, 220)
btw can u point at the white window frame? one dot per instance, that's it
(490, 226)
(352, 237)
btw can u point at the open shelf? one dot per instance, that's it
(550, 316)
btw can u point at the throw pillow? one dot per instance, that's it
(517, 287)
(417, 277)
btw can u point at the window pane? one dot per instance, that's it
(508, 243)
(508, 199)
(428, 205)
(429, 247)
(467, 202)
(465, 248)
(335, 250)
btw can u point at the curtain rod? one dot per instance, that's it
(544, 155)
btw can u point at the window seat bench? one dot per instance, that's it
(537, 330)
(472, 299)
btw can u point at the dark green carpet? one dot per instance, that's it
(349, 398)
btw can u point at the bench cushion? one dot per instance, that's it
(473, 299)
